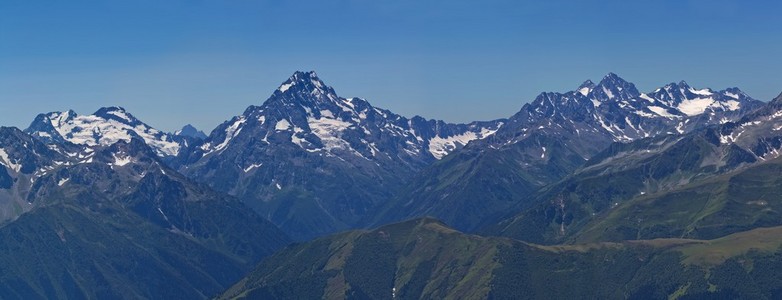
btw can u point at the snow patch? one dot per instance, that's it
(329, 131)
(5, 160)
(92, 130)
(608, 93)
(326, 114)
(646, 97)
(660, 111)
(732, 105)
(121, 115)
(703, 92)
(282, 125)
(230, 133)
(121, 161)
(440, 147)
(692, 107)
(286, 86)
(253, 166)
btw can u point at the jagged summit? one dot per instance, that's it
(303, 81)
(615, 107)
(318, 120)
(614, 88)
(302, 75)
(611, 76)
(304, 137)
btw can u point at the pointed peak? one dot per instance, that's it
(613, 81)
(191, 131)
(586, 87)
(304, 79)
(301, 75)
(188, 127)
(612, 78)
(683, 84)
(614, 87)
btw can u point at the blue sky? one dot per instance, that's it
(197, 61)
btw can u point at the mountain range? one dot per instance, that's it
(602, 179)
(315, 163)
(549, 139)
(720, 180)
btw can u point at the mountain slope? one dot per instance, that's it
(24, 159)
(113, 221)
(59, 252)
(314, 163)
(424, 259)
(548, 139)
(737, 201)
(709, 177)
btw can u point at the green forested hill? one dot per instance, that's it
(425, 259)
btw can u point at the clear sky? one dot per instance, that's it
(196, 61)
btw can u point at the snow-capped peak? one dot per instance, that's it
(116, 113)
(615, 106)
(302, 80)
(614, 88)
(693, 101)
(105, 127)
(308, 114)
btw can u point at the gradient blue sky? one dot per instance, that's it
(201, 62)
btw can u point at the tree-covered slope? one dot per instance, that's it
(424, 259)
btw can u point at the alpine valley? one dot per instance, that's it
(602, 192)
